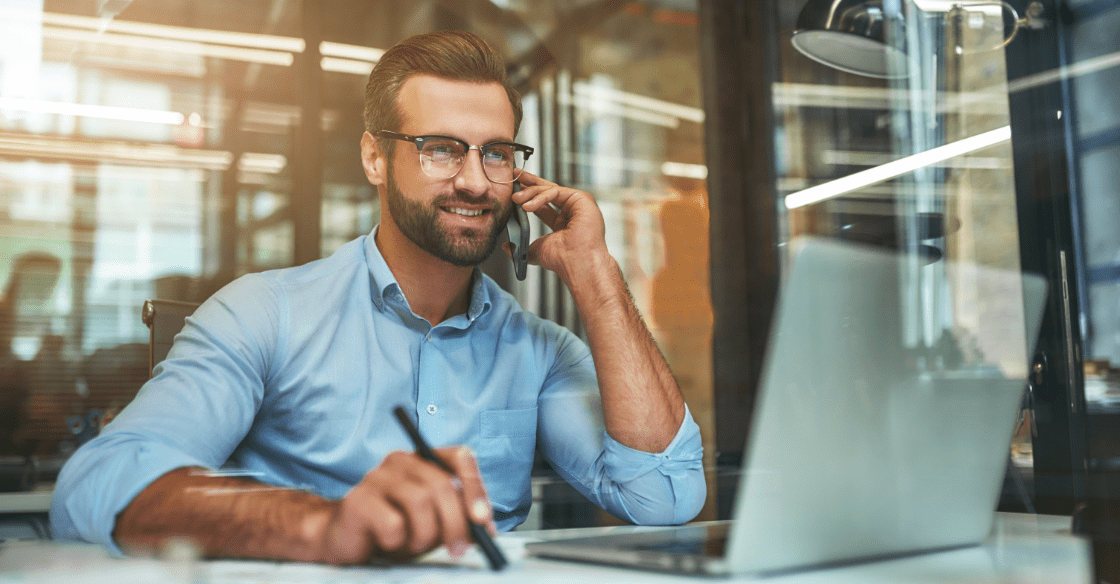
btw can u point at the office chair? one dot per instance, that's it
(165, 319)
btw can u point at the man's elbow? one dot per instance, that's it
(684, 498)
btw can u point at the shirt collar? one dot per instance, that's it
(384, 284)
(480, 296)
(381, 278)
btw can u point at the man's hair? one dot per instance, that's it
(452, 54)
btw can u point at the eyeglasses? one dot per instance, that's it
(442, 157)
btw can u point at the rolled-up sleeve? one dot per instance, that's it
(100, 481)
(194, 412)
(645, 488)
(675, 474)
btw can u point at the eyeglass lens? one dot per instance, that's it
(444, 158)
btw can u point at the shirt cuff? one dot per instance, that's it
(111, 482)
(684, 453)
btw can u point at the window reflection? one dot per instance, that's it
(917, 158)
(161, 149)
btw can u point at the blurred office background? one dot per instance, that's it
(161, 148)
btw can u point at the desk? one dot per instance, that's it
(24, 515)
(26, 502)
(1024, 549)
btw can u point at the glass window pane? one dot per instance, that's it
(163, 149)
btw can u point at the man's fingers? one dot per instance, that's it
(435, 509)
(528, 179)
(387, 524)
(407, 506)
(361, 525)
(473, 492)
(420, 509)
(548, 215)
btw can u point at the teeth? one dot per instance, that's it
(466, 212)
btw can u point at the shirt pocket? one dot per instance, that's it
(507, 440)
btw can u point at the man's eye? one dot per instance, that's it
(443, 152)
(442, 145)
(498, 155)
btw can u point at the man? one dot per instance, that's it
(289, 377)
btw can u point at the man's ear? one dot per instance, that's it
(373, 162)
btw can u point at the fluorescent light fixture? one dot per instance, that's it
(991, 100)
(346, 66)
(342, 58)
(634, 100)
(356, 52)
(790, 95)
(262, 163)
(128, 114)
(848, 157)
(124, 153)
(241, 39)
(987, 7)
(896, 168)
(264, 56)
(1080, 68)
(607, 162)
(681, 169)
(588, 103)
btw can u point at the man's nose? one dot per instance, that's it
(472, 178)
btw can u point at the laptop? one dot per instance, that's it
(882, 426)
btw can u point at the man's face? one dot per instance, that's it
(457, 220)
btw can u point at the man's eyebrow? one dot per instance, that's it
(493, 140)
(490, 140)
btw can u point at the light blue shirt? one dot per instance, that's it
(293, 375)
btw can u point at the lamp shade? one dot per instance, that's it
(850, 35)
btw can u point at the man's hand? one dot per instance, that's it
(401, 509)
(576, 223)
(642, 405)
(406, 507)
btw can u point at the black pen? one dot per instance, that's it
(478, 532)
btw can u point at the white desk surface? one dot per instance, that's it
(1023, 549)
(26, 502)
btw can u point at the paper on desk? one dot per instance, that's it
(52, 563)
(436, 566)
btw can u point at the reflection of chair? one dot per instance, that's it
(165, 319)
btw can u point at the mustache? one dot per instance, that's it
(467, 199)
(502, 212)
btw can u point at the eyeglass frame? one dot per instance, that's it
(420, 140)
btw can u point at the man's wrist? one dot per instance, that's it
(315, 536)
(591, 271)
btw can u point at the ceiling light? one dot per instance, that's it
(242, 39)
(598, 106)
(124, 153)
(896, 168)
(264, 56)
(346, 66)
(129, 114)
(852, 36)
(634, 100)
(356, 52)
(685, 170)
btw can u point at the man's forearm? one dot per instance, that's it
(226, 517)
(642, 404)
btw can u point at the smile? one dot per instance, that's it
(465, 212)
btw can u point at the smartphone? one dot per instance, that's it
(517, 229)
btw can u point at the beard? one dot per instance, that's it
(420, 224)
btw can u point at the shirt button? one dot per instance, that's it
(432, 409)
(429, 339)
